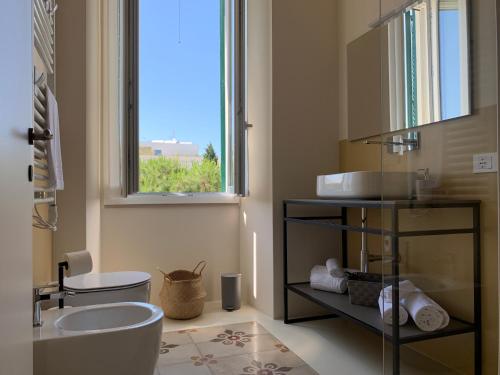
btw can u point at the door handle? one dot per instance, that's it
(46, 135)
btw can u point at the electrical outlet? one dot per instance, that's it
(485, 163)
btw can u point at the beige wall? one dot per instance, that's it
(256, 226)
(171, 237)
(94, 104)
(71, 93)
(305, 106)
(388, 6)
(42, 253)
(447, 150)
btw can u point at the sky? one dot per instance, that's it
(449, 44)
(179, 78)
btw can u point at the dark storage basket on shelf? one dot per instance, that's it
(364, 288)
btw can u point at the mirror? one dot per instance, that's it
(411, 71)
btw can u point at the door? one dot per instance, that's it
(16, 192)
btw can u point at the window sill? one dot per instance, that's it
(172, 199)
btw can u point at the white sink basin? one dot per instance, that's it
(102, 318)
(367, 185)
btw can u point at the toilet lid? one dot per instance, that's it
(106, 280)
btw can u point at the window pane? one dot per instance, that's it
(449, 34)
(181, 91)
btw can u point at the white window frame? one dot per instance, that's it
(115, 177)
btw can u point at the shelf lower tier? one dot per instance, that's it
(369, 317)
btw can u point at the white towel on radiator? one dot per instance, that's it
(322, 280)
(54, 159)
(426, 313)
(386, 311)
(334, 268)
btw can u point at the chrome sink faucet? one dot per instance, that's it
(60, 294)
(38, 297)
(396, 144)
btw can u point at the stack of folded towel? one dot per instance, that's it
(329, 278)
(426, 313)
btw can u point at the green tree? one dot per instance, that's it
(210, 154)
(165, 175)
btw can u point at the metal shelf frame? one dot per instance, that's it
(337, 306)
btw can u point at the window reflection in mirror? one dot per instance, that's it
(418, 72)
(428, 64)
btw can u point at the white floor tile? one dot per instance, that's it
(178, 354)
(185, 369)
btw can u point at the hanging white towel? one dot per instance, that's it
(426, 313)
(322, 280)
(56, 180)
(386, 311)
(334, 268)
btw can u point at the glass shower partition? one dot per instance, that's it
(438, 251)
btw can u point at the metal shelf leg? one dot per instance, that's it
(477, 292)
(285, 265)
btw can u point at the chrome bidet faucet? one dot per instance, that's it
(38, 297)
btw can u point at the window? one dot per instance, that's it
(185, 125)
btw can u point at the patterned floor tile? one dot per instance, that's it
(266, 363)
(185, 369)
(236, 349)
(228, 343)
(207, 334)
(172, 354)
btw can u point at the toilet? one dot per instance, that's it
(107, 287)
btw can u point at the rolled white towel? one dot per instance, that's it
(406, 287)
(426, 313)
(334, 268)
(79, 262)
(386, 312)
(322, 280)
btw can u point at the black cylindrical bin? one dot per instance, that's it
(231, 291)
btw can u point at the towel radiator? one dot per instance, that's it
(39, 134)
(44, 31)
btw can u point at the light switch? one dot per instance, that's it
(485, 163)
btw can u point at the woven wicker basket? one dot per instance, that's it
(183, 295)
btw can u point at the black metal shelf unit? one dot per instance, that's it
(339, 306)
